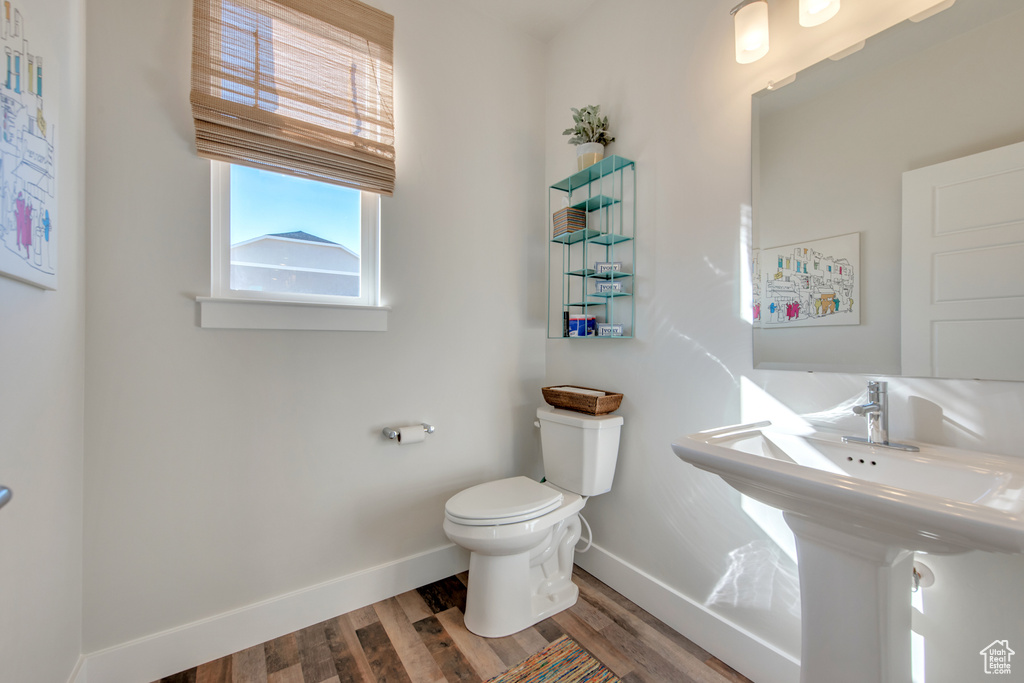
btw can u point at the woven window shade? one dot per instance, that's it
(302, 87)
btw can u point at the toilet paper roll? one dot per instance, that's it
(411, 434)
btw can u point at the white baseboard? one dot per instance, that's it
(162, 654)
(747, 653)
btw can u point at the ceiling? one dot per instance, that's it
(541, 19)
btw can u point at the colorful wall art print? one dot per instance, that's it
(29, 225)
(808, 284)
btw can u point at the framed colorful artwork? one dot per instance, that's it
(29, 225)
(809, 284)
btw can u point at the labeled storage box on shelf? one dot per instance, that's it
(582, 399)
(582, 326)
(609, 287)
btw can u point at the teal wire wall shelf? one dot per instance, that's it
(606, 192)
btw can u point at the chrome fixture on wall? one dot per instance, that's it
(397, 432)
(877, 412)
(5, 496)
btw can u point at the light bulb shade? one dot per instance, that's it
(814, 12)
(751, 32)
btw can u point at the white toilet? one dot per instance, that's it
(522, 534)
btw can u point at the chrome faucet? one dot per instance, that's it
(877, 412)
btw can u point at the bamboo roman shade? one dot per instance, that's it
(302, 87)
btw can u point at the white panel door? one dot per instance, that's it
(962, 306)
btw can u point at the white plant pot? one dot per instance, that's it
(588, 154)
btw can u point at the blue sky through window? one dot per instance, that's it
(265, 203)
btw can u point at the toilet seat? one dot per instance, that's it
(505, 501)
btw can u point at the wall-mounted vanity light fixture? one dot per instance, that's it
(751, 18)
(815, 12)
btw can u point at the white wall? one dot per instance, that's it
(225, 467)
(42, 394)
(680, 106)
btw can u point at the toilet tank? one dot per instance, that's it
(579, 450)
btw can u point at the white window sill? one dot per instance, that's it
(243, 314)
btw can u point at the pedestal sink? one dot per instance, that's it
(858, 513)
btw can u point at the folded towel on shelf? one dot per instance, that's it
(577, 390)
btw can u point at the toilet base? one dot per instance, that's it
(508, 593)
(547, 605)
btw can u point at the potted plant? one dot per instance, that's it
(590, 135)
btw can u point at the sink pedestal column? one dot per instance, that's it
(855, 606)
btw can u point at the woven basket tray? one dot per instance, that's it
(581, 403)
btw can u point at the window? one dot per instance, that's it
(292, 101)
(288, 240)
(291, 239)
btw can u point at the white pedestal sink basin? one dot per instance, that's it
(858, 513)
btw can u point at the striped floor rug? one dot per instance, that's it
(563, 661)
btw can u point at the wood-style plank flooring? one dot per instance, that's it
(420, 637)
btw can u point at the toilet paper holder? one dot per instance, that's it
(392, 433)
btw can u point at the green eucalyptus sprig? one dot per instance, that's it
(590, 127)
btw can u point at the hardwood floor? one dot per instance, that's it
(420, 637)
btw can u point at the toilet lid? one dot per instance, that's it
(505, 501)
